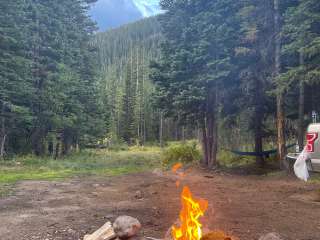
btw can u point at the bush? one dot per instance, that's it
(229, 159)
(186, 152)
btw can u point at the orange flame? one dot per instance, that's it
(190, 213)
(176, 167)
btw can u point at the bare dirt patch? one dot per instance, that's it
(244, 206)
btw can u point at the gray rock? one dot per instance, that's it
(271, 236)
(138, 195)
(158, 172)
(126, 227)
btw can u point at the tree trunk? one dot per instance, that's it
(67, 142)
(210, 126)
(183, 134)
(198, 134)
(51, 148)
(144, 131)
(161, 130)
(210, 130)
(280, 96)
(37, 139)
(258, 147)
(66, 149)
(281, 131)
(204, 145)
(143, 112)
(301, 110)
(2, 146)
(213, 162)
(258, 122)
(138, 98)
(57, 150)
(176, 131)
(3, 135)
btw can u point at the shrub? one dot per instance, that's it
(228, 159)
(186, 152)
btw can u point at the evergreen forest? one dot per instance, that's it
(234, 75)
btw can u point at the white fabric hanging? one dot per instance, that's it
(300, 166)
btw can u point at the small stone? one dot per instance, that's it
(87, 236)
(126, 227)
(71, 231)
(138, 194)
(158, 172)
(108, 216)
(95, 194)
(271, 236)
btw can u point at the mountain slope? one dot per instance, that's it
(124, 56)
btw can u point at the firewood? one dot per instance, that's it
(217, 235)
(104, 233)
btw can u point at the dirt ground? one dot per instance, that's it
(244, 206)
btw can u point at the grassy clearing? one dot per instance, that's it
(88, 162)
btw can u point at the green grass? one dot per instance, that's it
(315, 178)
(88, 162)
(187, 153)
(229, 160)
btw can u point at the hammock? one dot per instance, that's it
(261, 154)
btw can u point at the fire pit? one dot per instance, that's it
(187, 227)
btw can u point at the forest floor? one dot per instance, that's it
(245, 206)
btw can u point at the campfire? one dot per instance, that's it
(190, 227)
(191, 211)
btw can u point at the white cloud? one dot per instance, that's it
(148, 7)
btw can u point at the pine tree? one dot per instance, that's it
(48, 76)
(197, 63)
(255, 55)
(16, 88)
(301, 50)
